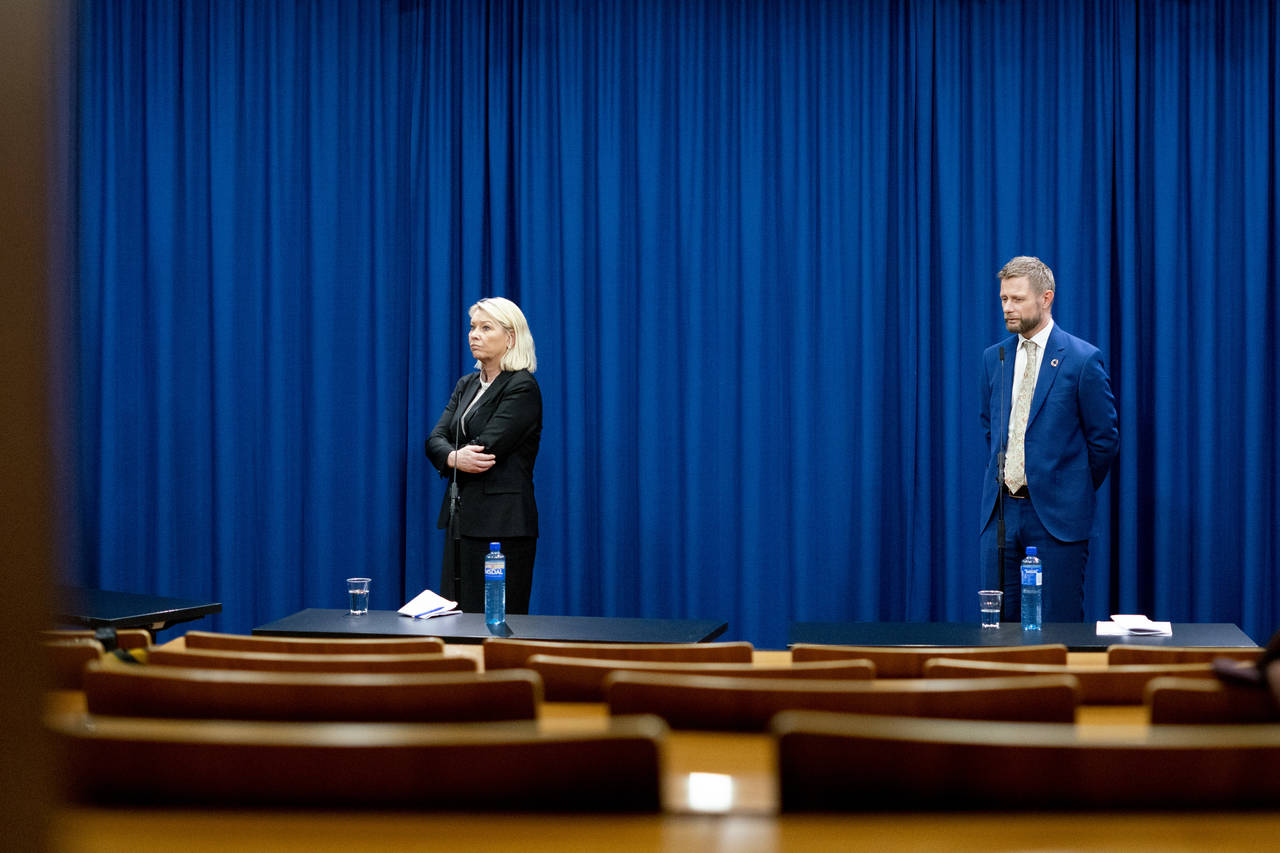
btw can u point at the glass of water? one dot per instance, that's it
(989, 601)
(358, 591)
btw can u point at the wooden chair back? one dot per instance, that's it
(839, 762)
(512, 654)
(459, 766)
(293, 662)
(167, 691)
(708, 702)
(1099, 685)
(568, 679)
(1195, 701)
(898, 662)
(308, 646)
(1135, 654)
(126, 638)
(66, 660)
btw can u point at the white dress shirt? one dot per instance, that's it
(1041, 340)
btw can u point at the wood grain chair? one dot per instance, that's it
(898, 662)
(568, 679)
(709, 702)
(308, 646)
(168, 691)
(459, 766)
(294, 662)
(512, 654)
(126, 638)
(1110, 685)
(1195, 701)
(66, 660)
(1135, 654)
(842, 762)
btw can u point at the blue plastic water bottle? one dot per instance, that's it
(495, 585)
(1032, 602)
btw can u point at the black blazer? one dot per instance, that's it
(508, 423)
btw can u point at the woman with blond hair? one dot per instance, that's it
(485, 443)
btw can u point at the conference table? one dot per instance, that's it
(471, 627)
(104, 608)
(1076, 636)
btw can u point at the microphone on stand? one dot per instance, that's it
(1004, 441)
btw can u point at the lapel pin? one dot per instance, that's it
(1054, 363)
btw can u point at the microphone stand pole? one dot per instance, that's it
(1004, 439)
(454, 529)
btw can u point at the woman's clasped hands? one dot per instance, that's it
(472, 459)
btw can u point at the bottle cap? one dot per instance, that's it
(1031, 550)
(495, 546)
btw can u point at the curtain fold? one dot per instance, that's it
(757, 245)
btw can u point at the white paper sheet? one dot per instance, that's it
(1133, 625)
(428, 605)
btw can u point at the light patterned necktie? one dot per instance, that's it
(1015, 469)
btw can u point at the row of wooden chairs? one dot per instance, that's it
(890, 662)
(116, 689)
(511, 766)
(359, 723)
(711, 696)
(1122, 681)
(826, 762)
(210, 640)
(749, 691)
(843, 762)
(208, 721)
(307, 662)
(67, 652)
(576, 679)
(1125, 684)
(714, 686)
(684, 700)
(125, 638)
(739, 704)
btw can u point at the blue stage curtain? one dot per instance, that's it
(757, 245)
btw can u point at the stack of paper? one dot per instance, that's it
(428, 605)
(1133, 625)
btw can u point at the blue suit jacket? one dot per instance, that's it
(1071, 436)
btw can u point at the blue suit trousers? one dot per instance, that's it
(1063, 564)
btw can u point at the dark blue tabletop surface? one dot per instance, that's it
(470, 627)
(103, 608)
(1076, 636)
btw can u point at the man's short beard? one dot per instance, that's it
(1026, 324)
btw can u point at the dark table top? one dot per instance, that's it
(1076, 636)
(103, 608)
(470, 627)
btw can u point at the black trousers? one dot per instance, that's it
(519, 551)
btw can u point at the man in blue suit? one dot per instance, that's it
(1047, 408)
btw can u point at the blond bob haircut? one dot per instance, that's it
(1036, 272)
(521, 356)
